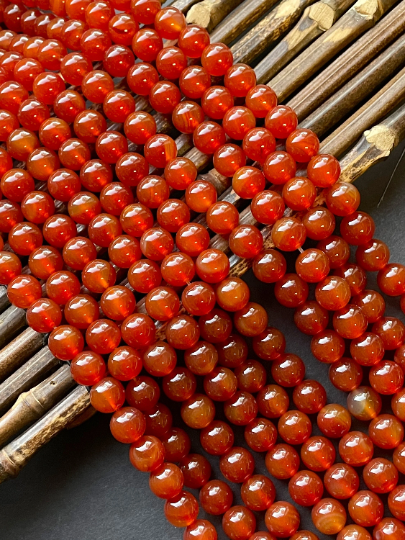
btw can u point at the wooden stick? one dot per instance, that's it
(240, 20)
(29, 374)
(357, 89)
(209, 13)
(4, 301)
(16, 454)
(30, 406)
(350, 62)
(363, 15)
(183, 5)
(370, 113)
(315, 20)
(19, 350)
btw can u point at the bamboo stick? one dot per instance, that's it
(4, 301)
(268, 30)
(315, 20)
(16, 454)
(26, 376)
(357, 89)
(19, 350)
(30, 406)
(371, 112)
(347, 64)
(362, 16)
(209, 13)
(183, 5)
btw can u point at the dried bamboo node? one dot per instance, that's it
(209, 13)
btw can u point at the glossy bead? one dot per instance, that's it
(305, 488)
(228, 159)
(237, 464)
(88, 368)
(179, 384)
(329, 516)
(397, 404)
(319, 223)
(389, 529)
(51, 53)
(288, 234)
(146, 44)
(349, 322)
(158, 421)
(44, 315)
(182, 332)
(391, 279)
(147, 453)
(222, 217)
(61, 286)
(141, 78)
(342, 199)
(159, 150)
(333, 293)
(269, 266)
(81, 311)
(294, 427)
(258, 143)
(309, 396)
(170, 62)
(371, 303)
(10, 267)
(198, 411)
(386, 377)
(192, 239)
(391, 331)
(24, 238)
(117, 61)
(131, 168)
(346, 374)
(25, 72)
(159, 359)
(239, 523)
(282, 461)
(94, 43)
(44, 261)
(37, 206)
(198, 298)
(156, 243)
(217, 438)
(291, 290)
(97, 14)
(164, 97)
(117, 302)
(299, 193)
(312, 265)
(323, 170)
(366, 508)
(47, 86)
(334, 420)
(282, 519)
(144, 275)
(396, 499)
(341, 481)
(386, 431)
(65, 342)
(238, 121)
(208, 136)
(54, 28)
(143, 393)
(166, 482)
(196, 470)
(260, 434)
(311, 318)
(258, 493)
(304, 535)
(181, 173)
(21, 143)
(249, 182)
(356, 448)
(202, 358)
(103, 336)
(194, 81)
(241, 408)
(42, 163)
(169, 22)
(373, 256)
(68, 105)
(288, 370)
(215, 101)
(124, 363)
(127, 425)
(318, 453)
(162, 303)
(201, 529)
(302, 145)
(272, 401)
(399, 457)
(212, 265)
(217, 58)
(32, 113)
(357, 228)
(260, 100)
(16, 184)
(96, 85)
(200, 195)
(138, 330)
(114, 196)
(381, 476)
(78, 252)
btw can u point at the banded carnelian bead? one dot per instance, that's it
(124, 363)
(196, 470)
(169, 22)
(305, 488)
(323, 170)
(216, 101)
(24, 237)
(201, 358)
(147, 453)
(258, 493)
(198, 411)
(198, 298)
(248, 182)
(389, 529)
(182, 332)
(228, 158)
(366, 508)
(239, 523)
(341, 481)
(208, 136)
(44, 315)
(282, 519)
(288, 234)
(329, 516)
(260, 100)
(282, 461)
(63, 184)
(318, 453)
(346, 374)
(334, 420)
(138, 330)
(381, 476)
(201, 529)
(194, 81)
(356, 448)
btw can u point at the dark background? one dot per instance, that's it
(81, 485)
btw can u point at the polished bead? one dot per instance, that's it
(249, 182)
(117, 302)
(288, 234)
(342, 199)
(215, 101)
(371, 303)
(65, 342)
(217, 58)
(68, 105)
(237, 464)
(302, 145)
(258, 493)
(193, 40)
(198, 411)
(299, 193)
(228, 158)
(391, 331)
(282, 461)
(159, 359)
(147, 453)
(194, 81)
(24, 237)
(103, 336)
(61, 286)
(329, 516)
(319, 223)
(143, 393)
(164, 96)
(269, 266)
(124, 363)
(291, 290)
(323, 170)
(346, 374)
(238, 121)
(127, 425)
(212, 265)
(380, 475)
(208, 136)
(239, 523)
(318, 453)
(282, 519)
(334, 420)
(386, 431)
(305, 488)
(366, 508)
(88, 368)
(169, 22)
(198, 298)
(356, 448)
(258, 143)
(192, 239)
(341, 481)
(10, 267)
(272, 401)
(23, 290)
(196, 470)
(146, 44)
(389, 529)
(138, 330)
(201, 529)
(201, 358)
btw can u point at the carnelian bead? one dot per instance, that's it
(374, 256)
(61, 286)
(138, 330)
(78, 252)
(32, 113)
(97, 14)
(269, 266)
(216, 101)
(251, 320)
(220, 384)
(117, 105)
(342, 199)
(73, 154)
(288, 234)
(42, 163)
(114, 196)
(303, 535)
(323, 170)
(146, 44)
(117, 61)
(305, 488)
(147, 453)
(75, 66)
(182, 510)
(6, 36)
(318, 453)
(170, 63)
(232, 294)
(341, 481)
(386, 431)
(75, 9)
(217, 58)
(159, 150)
(282, 519)
(58, 229)
(96, 85)
(9, 123)
(124, 363)
(260, 100)
(312, 265)
(200, 195)
(192, 239)
(198, 298)
(282, 461)
(131, 168)
(346, 374)
(294, 427)
(11, 215)
(260, 434)
(144, 275)
(47, 86)
(180, 173)
(8, 62)
(258, 493)
(249, 182)
(281, 121)
(386, 377)
(88, 368)
(144, 11)
(353, 532)
(103, 229)
(396, 497)
(389, 529)
(57, 7)
(319, 223)
(83, 207)
(182, 332)
(68, 105)
(270, 344)
(366, 508)
(299, 193)
(198, 411)
(381, 476)
(272, 401)
(208, 136)
(309, 396)
(31, 47)
(334, 420)
(13, 17)
(95, 174)
(177, 269)
(94, 43)
(212, 265)
(23, 290)
(139, 127)
(21, 143)
(337, 250)
(349, 322)
(311, 318)
(158, 421)
(391, 331)
(44, 261)
(179, 384)
(37, 206)
(65, 342)
(135, 219)
(291, 290)
(156, 243)
(141, 78)
(237, 464)
(201, 358)
(103, 336)
(173, 214)
(355, 276)
(72, 32)
(357, 228)
(217, 438)
(288, 370)
(24, 238)
(201, 529)
(328, 346)
(397, 404)
(391, 279)
(399, 457)
(53, 132)
(167, 481)
(117, 302)
(238, 121)
(333, 293)
(159, 359)
(143, 393)
(16, 184)
(329, 516)
(51, 53)
(196, 470)
(25, 72)
(169, 22)
(233, 349)
(127, 425)
(228, 158)
(54, 28)
(81, 310)
(111, 146)
(356, 448)
(10, 267)
(222, 217)
(194, 81)
(239, 523)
